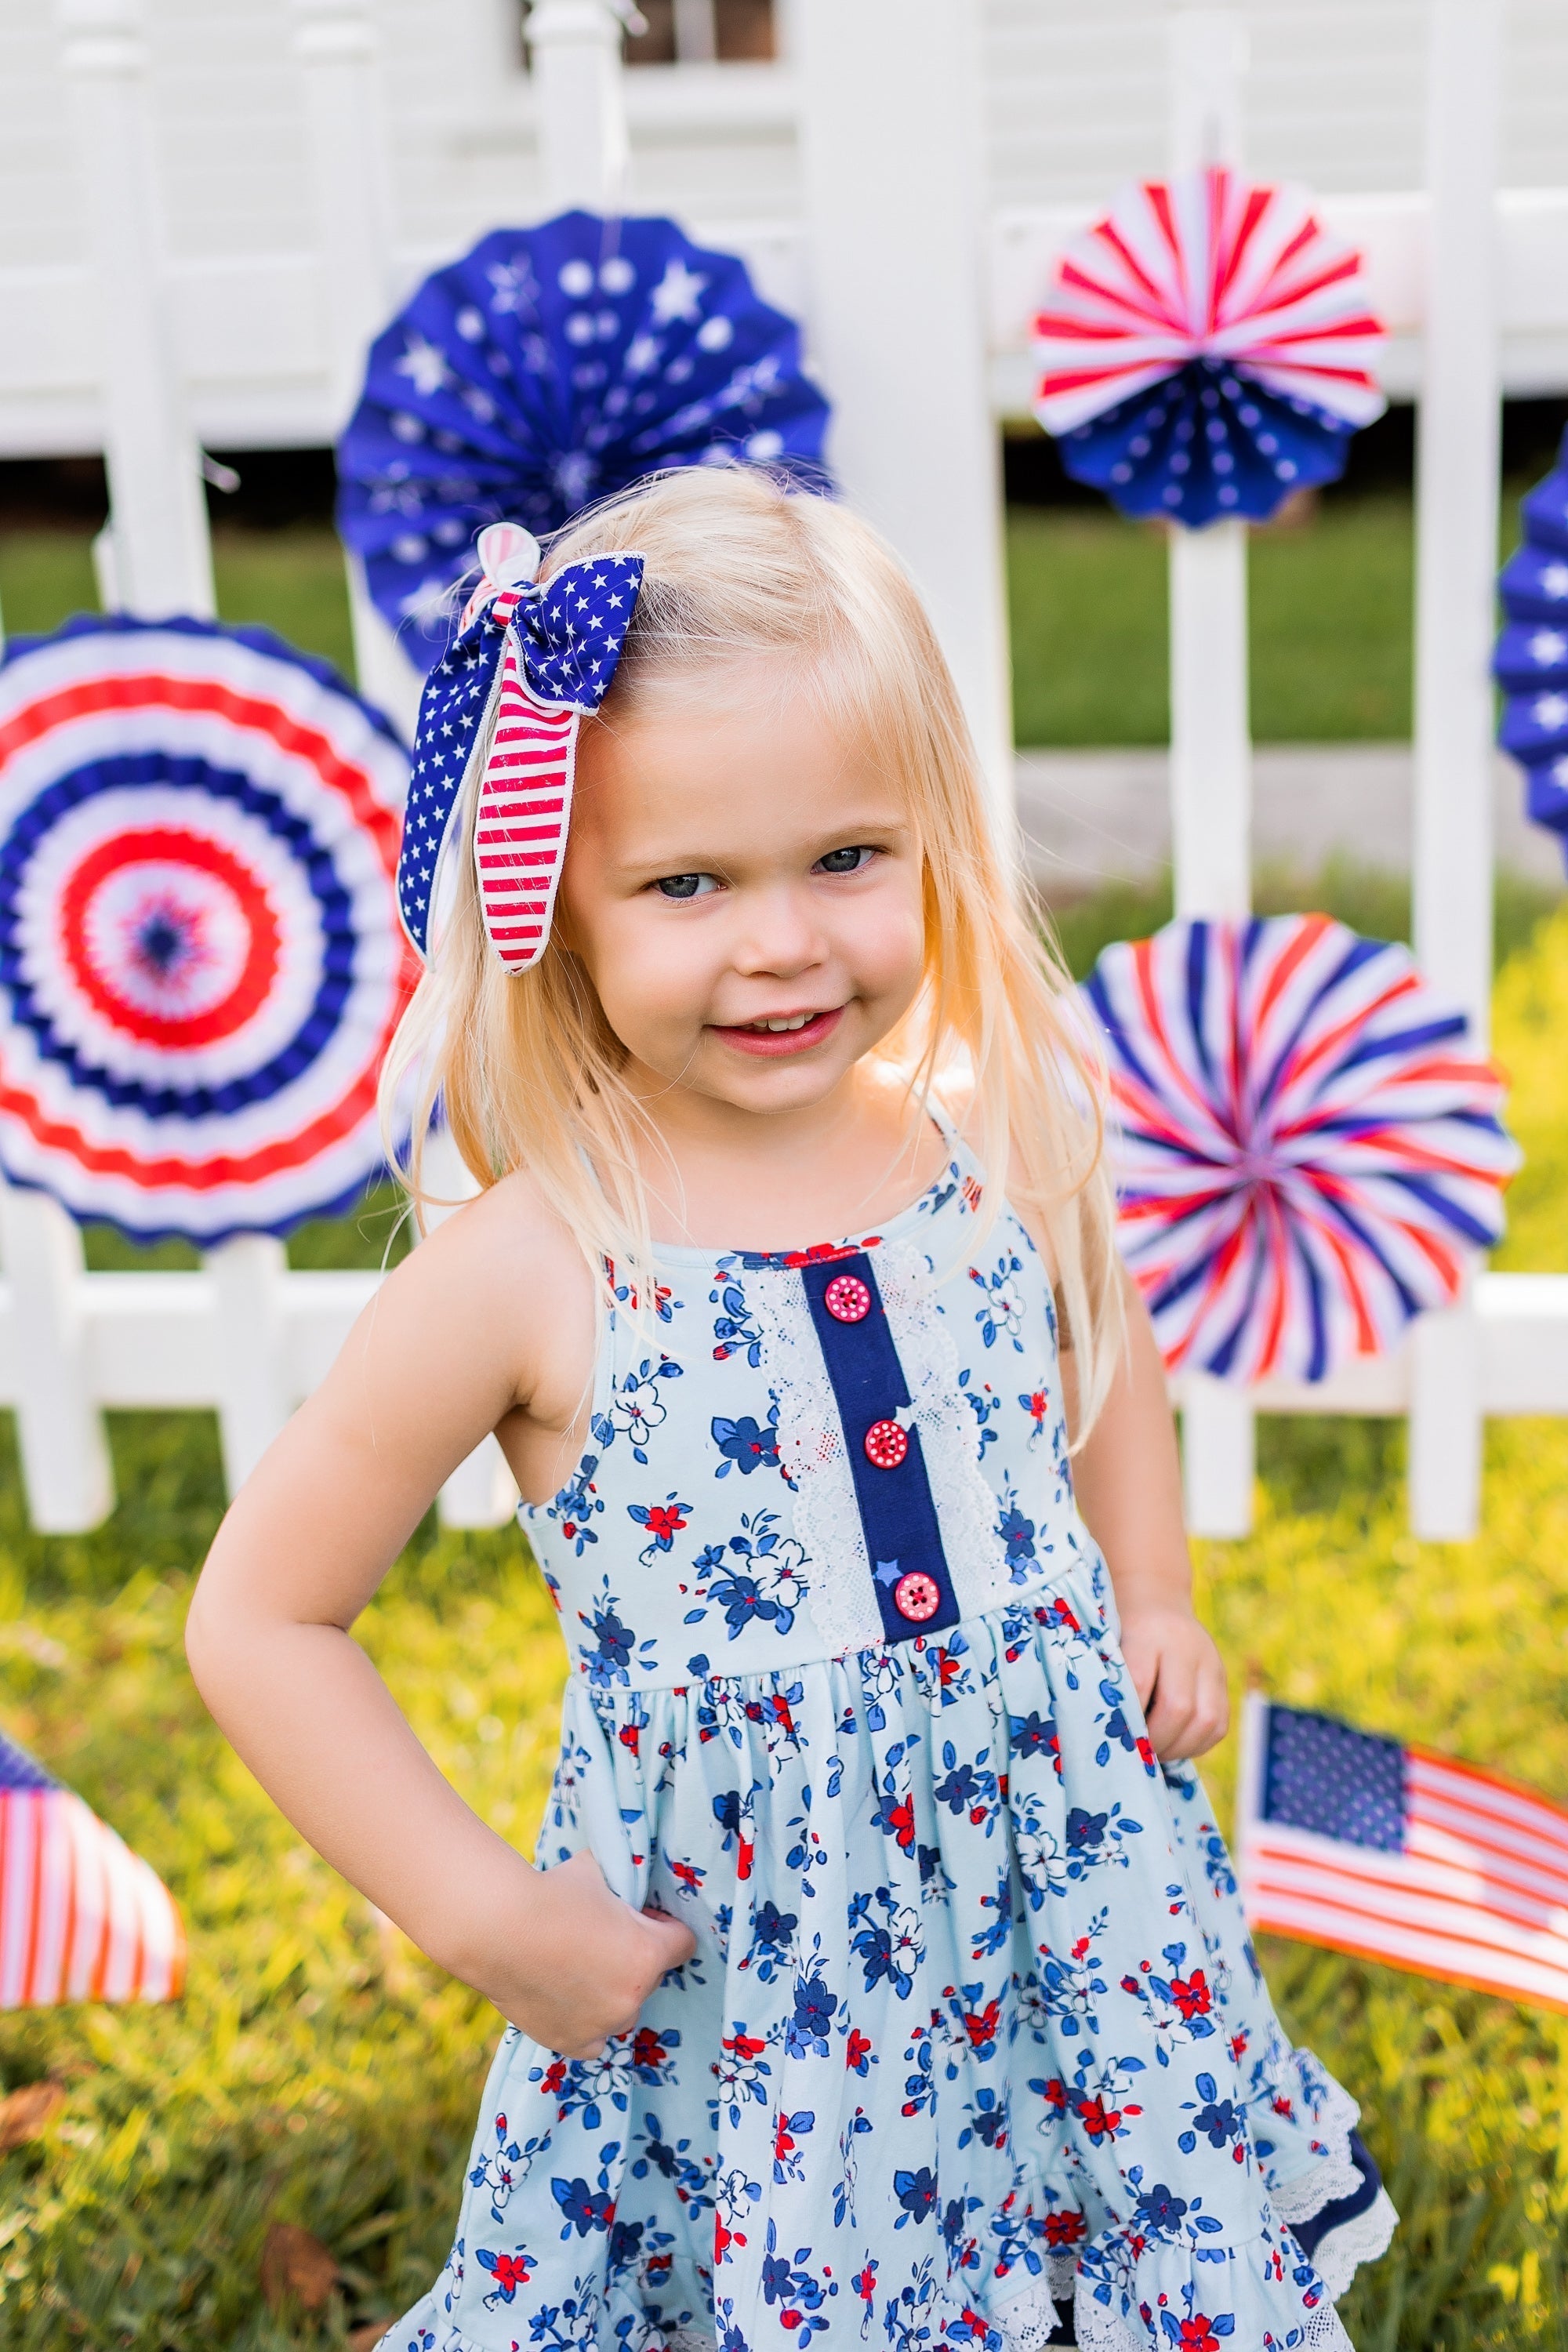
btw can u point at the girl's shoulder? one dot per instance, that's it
(504, 1270)
(957, 1107)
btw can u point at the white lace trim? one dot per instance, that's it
(1339, 2252)
(1328, 2178)
(1028, 2320)
(1099, 2330)
(811, 1447)
(964, 1499)
(841, 1592)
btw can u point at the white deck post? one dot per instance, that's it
(161, 562)
(248, 1275)
(580, 106)
(1456, 526)
(1211, 742)
(158, 560)
(893, 163)
(66, 1468)
(162, 553)
(335, 42)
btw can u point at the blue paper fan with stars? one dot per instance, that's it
(548, 368)
(1530, 663)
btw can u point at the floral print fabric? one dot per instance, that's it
(973, 2030)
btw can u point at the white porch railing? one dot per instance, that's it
(918, 309)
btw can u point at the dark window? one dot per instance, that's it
(699, 32)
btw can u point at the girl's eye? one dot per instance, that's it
(845, 861)
(686, 885)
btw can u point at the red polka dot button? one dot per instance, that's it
(916, 1597)
(847, 1298)
(886, 1444)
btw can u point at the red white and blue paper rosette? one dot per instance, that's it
(1532, 658)
(1306, 1155)
(200, 957)
(1206, 349)
(547, 368)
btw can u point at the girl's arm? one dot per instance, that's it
(1129, 1484)
(437, 1361)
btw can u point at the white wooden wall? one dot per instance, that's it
(1072, 99)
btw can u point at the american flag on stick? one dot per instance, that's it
(81, 1916)
(1399, 1856)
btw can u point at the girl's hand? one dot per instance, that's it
(1179, 1679)
(588, 1961)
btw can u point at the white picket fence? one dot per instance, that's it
(915, 301)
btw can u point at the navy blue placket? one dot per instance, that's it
(898, 1515)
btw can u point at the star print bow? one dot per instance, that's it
(500, 715)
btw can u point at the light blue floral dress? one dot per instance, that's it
(974, 2049)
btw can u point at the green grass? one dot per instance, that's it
(1330, 610)
(291, 579)
(1330, 606)
(318, 2071)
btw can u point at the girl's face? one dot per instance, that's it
(744, 891)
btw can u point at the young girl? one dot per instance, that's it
(882, 1978)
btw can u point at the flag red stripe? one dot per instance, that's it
(1488, 1799)
(1397, 1905)
(1303, 1925)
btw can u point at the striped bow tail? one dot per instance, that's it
(519, 825)
(499, 719)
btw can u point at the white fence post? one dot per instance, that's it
(162, 553)
(1211, 743)
(156, 559)
(335, 42)
(66, 1466)
(892, 160)
(579, 104)
(248, 1275)
(1456, 524)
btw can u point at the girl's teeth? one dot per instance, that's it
(798, 1022)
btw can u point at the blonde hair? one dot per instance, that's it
(528, 1068)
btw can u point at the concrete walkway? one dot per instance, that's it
(1092, 817)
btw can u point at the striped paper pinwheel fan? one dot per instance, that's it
(545, 369)
(200, 962)
(1306, 1155)
(1206, 349)
(1532, 658)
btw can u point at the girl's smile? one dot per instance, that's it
(780, 1033)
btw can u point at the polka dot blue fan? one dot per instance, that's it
(1531, 662)
(547, 368)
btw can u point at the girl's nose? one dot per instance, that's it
(778, 934)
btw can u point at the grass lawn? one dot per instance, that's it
(318, 2071)
(1330, 604)
(291, 579)
(1330, 614)
(1331, 601)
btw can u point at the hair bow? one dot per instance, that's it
(500, 714)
